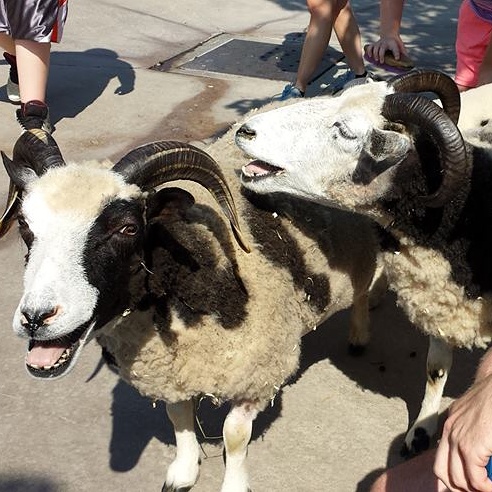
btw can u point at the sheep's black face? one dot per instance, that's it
(113, 255)
(84, 229)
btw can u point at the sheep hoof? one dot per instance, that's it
(420, 443)
(170, 488)
(356, 350)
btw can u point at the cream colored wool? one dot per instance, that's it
(252, 361)
(433, 301)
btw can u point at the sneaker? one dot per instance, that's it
(34, 114)
(290, 92)
(13, 80)
(340, 82)
(349, 79)
(366, 79)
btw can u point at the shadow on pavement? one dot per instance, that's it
(393, 366)
(27, 483)
(77, 79)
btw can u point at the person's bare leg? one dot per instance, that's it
(7, 43)
(348, 34)
(33, 61)
(317, 39)
(412, 475)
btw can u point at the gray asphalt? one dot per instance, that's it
(341, 421)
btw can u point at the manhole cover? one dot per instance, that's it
(258, 59)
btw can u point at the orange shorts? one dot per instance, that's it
(472, 39)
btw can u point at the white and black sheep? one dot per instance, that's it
(158, 279)
(385, 152)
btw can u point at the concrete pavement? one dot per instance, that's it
(342, 419)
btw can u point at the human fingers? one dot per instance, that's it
(460, 468)
(441, 462)
(448, 467)
(376, 50)
(391, 45)
(475, 471)
(457, 471)
(369, 50)
(380, 50)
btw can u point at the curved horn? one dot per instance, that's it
(431, 81)
(12, 207)
(34, 152)
(156, 163)
(429, 117)
(39, 150)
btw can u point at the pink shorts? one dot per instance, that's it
(472, 39)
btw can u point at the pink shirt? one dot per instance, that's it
(483, 8)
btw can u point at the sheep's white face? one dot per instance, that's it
(57, 309)
(311, 147)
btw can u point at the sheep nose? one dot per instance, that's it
(33, 319)
(246, 132)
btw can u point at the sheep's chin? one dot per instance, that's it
(63, 353)
(260, 170)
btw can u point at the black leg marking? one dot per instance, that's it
(356, 350)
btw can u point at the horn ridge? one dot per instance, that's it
(429, 117)
(427, 80)
(11, 208)
(156, 163)
(39, 150)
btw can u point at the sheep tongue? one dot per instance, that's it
(259, 168)
(44, 356)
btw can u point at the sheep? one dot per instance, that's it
(473, 110)
(181, 309)
(385, 152)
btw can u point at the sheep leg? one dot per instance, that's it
(183, 471)
(359, 333)
(439, 361)
(237, 433)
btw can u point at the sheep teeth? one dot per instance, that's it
(62, 360)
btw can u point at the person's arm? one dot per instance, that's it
(466, 442)
(391, 12)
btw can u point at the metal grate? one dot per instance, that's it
(258, 59)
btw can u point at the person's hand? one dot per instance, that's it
(377, 50)
(466, 442)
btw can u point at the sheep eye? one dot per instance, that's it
(25, 232)
(128, 230)
(344, 131)
(22, 222)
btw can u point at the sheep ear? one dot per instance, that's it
(385, 149)
(168, 204)
(386, 144)
(9, 215)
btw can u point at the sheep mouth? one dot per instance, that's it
(259, 170)
(50, 359)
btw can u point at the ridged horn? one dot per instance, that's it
(424, 80)
(430, 118)
(11, 208)
(37, 150)
(156, 163)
